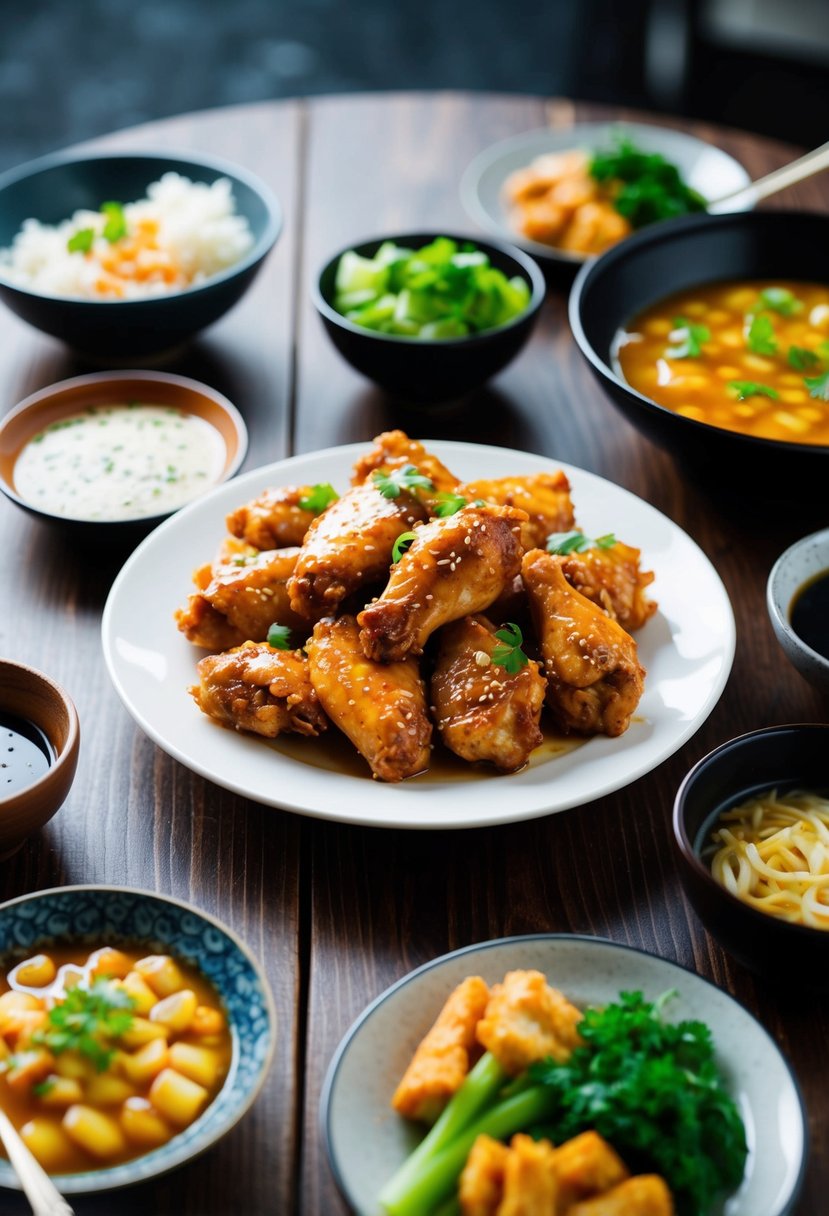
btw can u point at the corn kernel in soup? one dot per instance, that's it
(144, 1068)
(748, 356)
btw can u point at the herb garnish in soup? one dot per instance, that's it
(107, 1055)
(119, 462)
(751, 357)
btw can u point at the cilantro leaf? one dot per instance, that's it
(279, 636)
(749, 388)
(81, 241)
(760, 336)
(688, 338)
(319, 497)
(779, 300)
(802, 359)
(115, 222)
(563, 543)
(818, 386)
(509, 654)
(446, 503)
(392, 484)
(401, 545)
(88, 1020)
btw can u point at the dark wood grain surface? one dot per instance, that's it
(337, 913)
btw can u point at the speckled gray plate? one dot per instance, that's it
(366, 1141)
(800, 563)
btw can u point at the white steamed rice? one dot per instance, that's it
(198, 226)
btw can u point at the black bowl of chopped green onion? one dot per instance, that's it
(687, 253)
(429, 317)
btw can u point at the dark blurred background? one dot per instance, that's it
(72, 69)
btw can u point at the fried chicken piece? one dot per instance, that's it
(349, 546)
(643, 1195)
(481, 1185)
(527, 1020)
(544, 496)
(381, 708)
(530, 1187)
(454, 566)
(274, 520)
(585, 1166)
(444, 1057)
(594, 677)
(240, 601)
(612, 579)
(484, 712)
(393, 450)
(545, 172)
(256, 688)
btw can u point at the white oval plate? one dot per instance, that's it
(366, 1141)
(687, 649)
(706, 169)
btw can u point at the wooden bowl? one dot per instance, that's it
(68, 397)
(29, 694)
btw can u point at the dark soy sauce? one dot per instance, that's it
(25, 753)
(809, 613)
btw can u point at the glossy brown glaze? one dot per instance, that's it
(337, 913)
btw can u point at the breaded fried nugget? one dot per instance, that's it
(445, 1055)
(530, 1187)
(586, 1166)
(643, 1195)
(526, 1020)
(481, 1186)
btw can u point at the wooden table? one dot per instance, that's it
(337, 913)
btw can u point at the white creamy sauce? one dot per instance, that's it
(115, 462)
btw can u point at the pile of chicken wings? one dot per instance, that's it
(415, 603)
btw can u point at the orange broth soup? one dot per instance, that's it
(751, 357)
(155, 1056)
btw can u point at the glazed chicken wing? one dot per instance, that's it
(256, 688)
(348, 547)
(545, 497)
(482, 711)
(381, 708)
(274, 520)
(454, 566)
(594, 678)
(612, 579)
(240, 600)
(393, 450)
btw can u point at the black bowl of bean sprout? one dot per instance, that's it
(751, 825)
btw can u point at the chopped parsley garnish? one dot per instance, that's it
(446, 503)
(509, 654)
(760, 336)
(319, 497)
(115, 222)
(88, 1020)
(779, 300)
(401, 545)
(81, 241)
(818, 386)
(654, 1091)
(279, 636)
(563, 543)
(647, 187)
(802, 359)
(43, 1088)
(749, 388)
(687, 338)
(391, 485)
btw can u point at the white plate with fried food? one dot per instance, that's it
(495, 997)
(686, 646)
(535, 191)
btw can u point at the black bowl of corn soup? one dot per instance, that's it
(710, 334)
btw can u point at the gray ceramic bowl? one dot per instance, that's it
(800, 563)
(52, 188)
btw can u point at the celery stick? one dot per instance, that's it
(438, 1173)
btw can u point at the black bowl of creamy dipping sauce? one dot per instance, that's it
(117, 452)
(782, 759)
(682, 255)
(797, 597)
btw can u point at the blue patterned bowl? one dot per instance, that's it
(118, 915)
